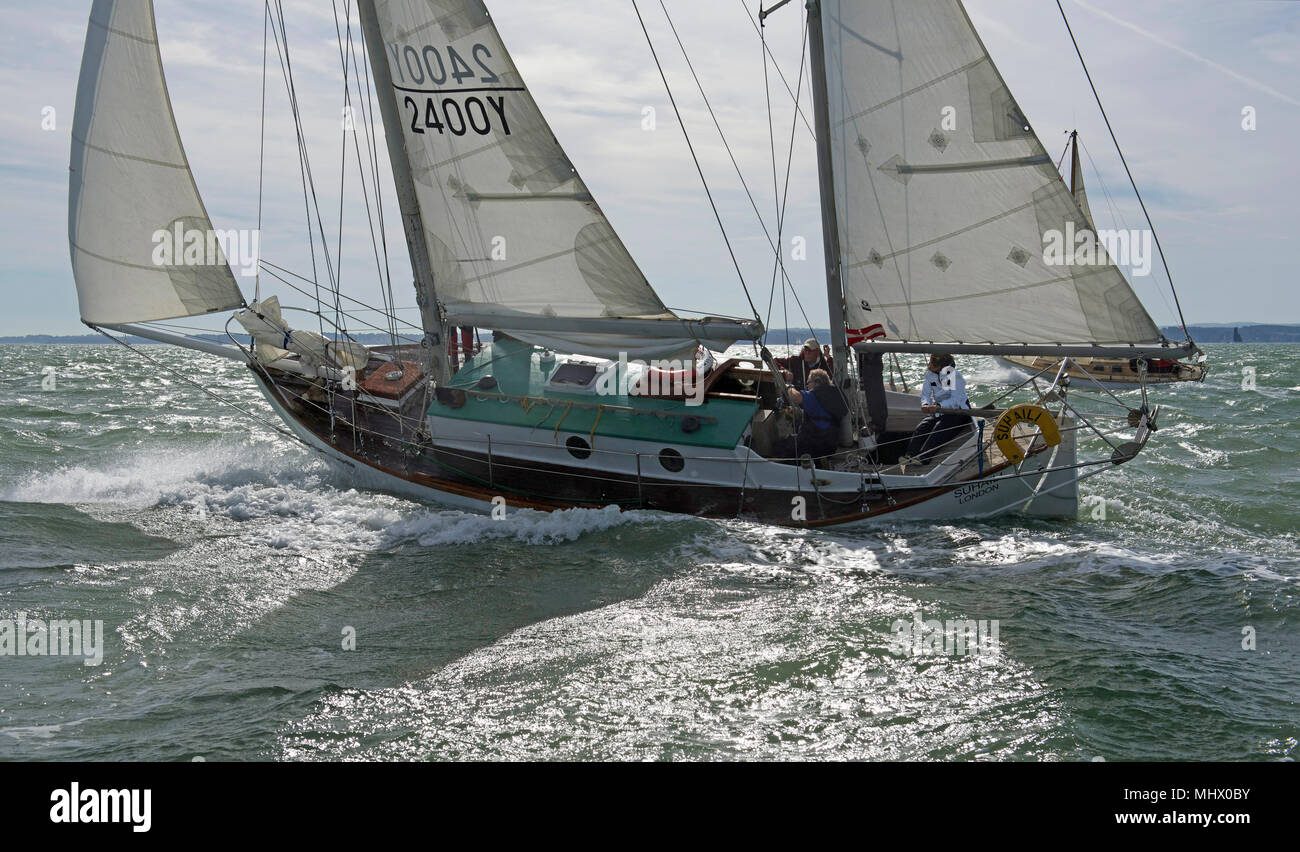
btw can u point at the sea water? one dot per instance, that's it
(254, 606)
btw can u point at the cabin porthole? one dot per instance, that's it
(578, 447)
(672, 461)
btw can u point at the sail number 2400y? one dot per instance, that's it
(448, 115)
(449, 111)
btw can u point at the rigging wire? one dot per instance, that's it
(185, 378)
(1116, 215)
(261, 154)
(781, 195)
(310, 195)
(777, 265)
(365, 307)
(1061, 161)
(372, 144)
(273, 26)
(352, 316)
(775, 246)
(1181, 319)
(798, 108)
(349, 57)
(343, 154)
(698, 167)
(789, 166)
(303, 171)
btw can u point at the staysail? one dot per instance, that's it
(946, 198)
(142, 245)
(515, 240)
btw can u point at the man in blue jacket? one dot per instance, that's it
(823, 411)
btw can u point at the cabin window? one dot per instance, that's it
(578, 447)
(672, 461)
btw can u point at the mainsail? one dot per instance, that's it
(945, 195)
(130, 183)
(515, 240)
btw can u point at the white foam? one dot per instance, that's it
(991, 371)
(1204, 457)
(290, 501)
(434, 528)
(147, 477)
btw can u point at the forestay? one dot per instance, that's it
(130, 182)
(945, 195)
(513, 233)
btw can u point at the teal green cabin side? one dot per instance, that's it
(521, 398)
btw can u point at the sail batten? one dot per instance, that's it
(946, 199)
(130, 182)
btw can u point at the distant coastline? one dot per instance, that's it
(1250, 333)
(1210, 333)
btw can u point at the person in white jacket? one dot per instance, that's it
(944, 388)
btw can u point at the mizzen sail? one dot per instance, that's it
(515, 240)
(130, 182)
(946, 197)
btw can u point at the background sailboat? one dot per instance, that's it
(1117, 371)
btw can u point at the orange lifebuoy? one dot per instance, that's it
(1030, 415)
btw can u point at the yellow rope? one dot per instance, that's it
(591, 439)
(556, 436)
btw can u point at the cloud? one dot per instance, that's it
(1282, 48)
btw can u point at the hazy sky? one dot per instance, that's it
(1175, 76)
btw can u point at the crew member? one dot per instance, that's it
(944, 388)
(795, 368)
(823, 410)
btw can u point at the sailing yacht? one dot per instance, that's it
(1133, 372)
(529, 385)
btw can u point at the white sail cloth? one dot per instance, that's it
(130, 183)
(509, 224)
(273, 339)
(945, 195)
